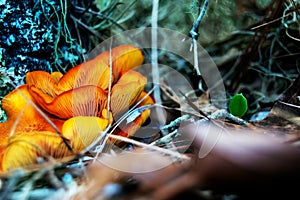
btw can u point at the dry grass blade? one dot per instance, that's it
(194, 106)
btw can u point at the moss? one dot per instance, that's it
(34, 37)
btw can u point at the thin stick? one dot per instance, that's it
(196, 64)
(151, 147)
(194, 31)
(154, 54)
(110, 80)
(194, 35)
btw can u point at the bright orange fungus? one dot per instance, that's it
(75, 102)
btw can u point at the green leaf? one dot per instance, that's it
(238, 105)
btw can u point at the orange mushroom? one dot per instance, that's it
(79, 131)
(83, 101)
(22, 116)
(129, 129)
(123, 58)
(27, 148)
(126, 91)
(93, 72)
(76, 102)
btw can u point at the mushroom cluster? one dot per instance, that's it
(74, 104)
